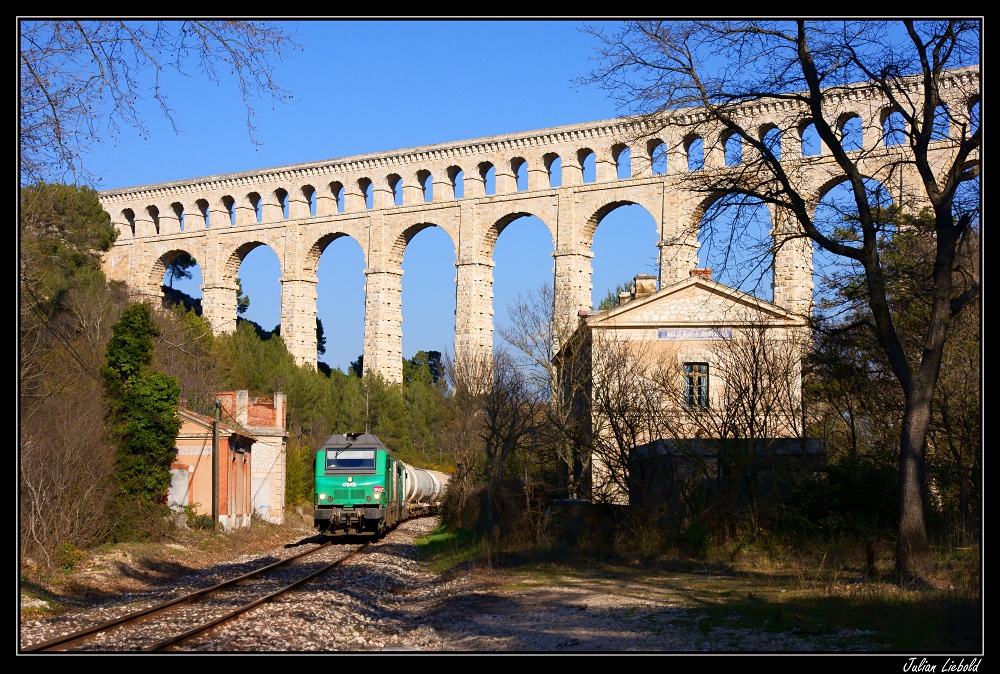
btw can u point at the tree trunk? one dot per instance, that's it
(965, 512)
(489, 506)
(913, 552)
(871, 569)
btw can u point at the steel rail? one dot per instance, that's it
(195, 631)
(74, 637)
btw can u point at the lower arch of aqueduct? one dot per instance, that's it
(299, 210)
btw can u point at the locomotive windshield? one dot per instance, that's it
(356, 459)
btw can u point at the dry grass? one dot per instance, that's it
(137, 566)
(819, 589)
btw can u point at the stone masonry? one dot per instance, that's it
(298, 210)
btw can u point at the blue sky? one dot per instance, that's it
(370, 86)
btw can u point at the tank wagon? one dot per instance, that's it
(361, 487)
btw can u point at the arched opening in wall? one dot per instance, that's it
(337, 193)
(694, 146)
(456, 176)
(770, 136)
(205, 213)
(553, 164)
(230, 205)
(428, 292)
(281, 196)
(967, 203)
(811, 144)
(365, 185)
(623, 245)
(850, 132)
(588, 164)
(340, 302)
(735, 243)
(733, 146)
(154, 215)
(489, 176)
(623, 161)
(396, 186)
(836, 218)
(309, 194)
(942, 123)
(656, 149)
(426, 181)
(893, 129)
(182, 280)
(260, 281)
(520, 169)
(258, 207)
(178, 210)
(130, 219)
(522, 265)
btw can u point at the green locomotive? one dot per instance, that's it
(361, 487)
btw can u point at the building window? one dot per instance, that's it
(695, 384)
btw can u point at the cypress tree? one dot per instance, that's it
(141, 409)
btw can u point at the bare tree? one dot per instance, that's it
(627, 410)
(66, 460)
(187, 350)
(753, 410)
(510, 416)
(498, 416)
(859, 404)
(83, 79)
(464, 383)
(535, 335)
(854, 400)
(656, 67)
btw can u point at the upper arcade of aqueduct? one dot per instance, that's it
(299, 209)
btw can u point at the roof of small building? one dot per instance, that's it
(722, 293)
(654, 311)
(710, 447)
(206, 422)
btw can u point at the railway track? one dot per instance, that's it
(166, 625)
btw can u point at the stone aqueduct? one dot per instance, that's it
(299, 210)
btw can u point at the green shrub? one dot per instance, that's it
(697, 540)
(201, 522)
(140, 521)
(68, 555)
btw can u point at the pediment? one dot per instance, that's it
(694, 301)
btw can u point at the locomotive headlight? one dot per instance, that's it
(378, 496)
(350, 479)
(322, 497)
(368, 498)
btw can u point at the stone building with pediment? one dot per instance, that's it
(676, 378)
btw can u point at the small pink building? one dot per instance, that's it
(263, 418)
(191, 482)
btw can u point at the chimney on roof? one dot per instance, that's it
(704, 273)
(643, 284)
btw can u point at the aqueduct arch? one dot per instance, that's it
(297, 210)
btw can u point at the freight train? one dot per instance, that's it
(362, 488)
